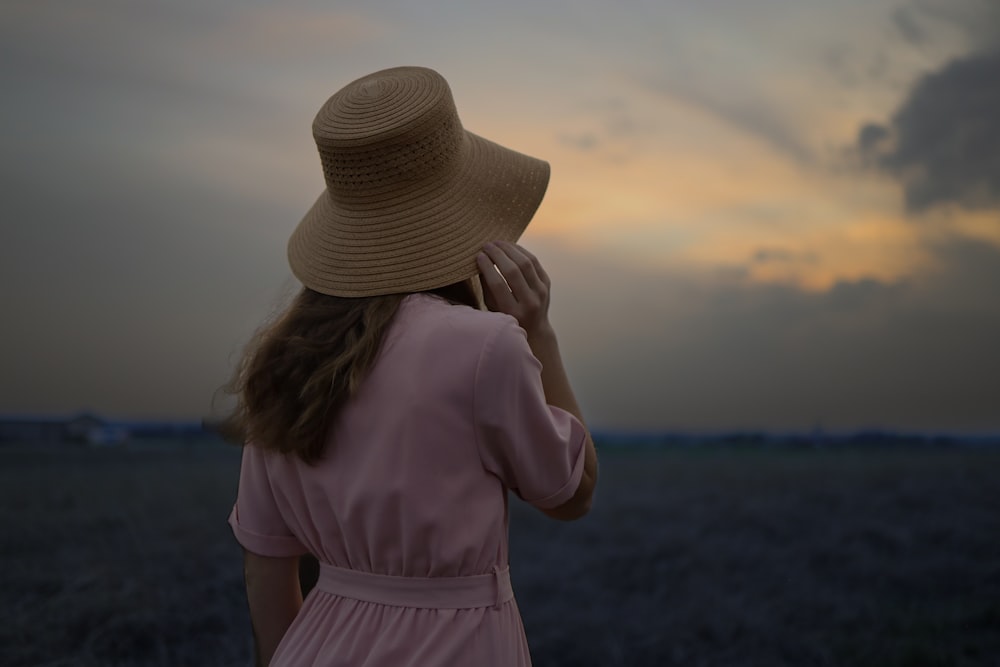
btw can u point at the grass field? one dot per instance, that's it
(714, 557)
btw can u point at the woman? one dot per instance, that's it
(387, 413)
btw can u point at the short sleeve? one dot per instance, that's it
(536, 449)
(256, 519)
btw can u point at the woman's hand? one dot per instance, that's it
(515, 283)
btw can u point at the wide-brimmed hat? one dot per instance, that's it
(411, 196)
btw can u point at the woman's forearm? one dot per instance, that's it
(559, 393)
(274, 597)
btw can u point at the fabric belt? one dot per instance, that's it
(480, 590)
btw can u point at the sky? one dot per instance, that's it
(763, 214)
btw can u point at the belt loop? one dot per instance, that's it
(496, 582)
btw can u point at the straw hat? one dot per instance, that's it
(411, 197)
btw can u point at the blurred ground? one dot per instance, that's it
(714, 557)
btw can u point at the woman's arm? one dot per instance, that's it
(274, 597)
(521, 289)
(559, 393)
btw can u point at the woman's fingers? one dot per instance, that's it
(525, 262)
(514, 283)
(509, 269)
(496, 294)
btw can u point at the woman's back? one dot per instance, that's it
(413, 484)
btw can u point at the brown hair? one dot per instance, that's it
(297, 373)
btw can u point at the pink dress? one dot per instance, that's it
(407, 512)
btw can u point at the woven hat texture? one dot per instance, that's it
(411, 196)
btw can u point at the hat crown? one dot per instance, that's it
(388, 130)
(411, 196)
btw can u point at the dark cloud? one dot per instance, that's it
(584, 141)
(670, 350)
(943, 143)
(770, 255)
(978, 21)
(908, 25)
(872, 137)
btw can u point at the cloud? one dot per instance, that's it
(751, 115)
(943, 144)
(872, 136)
(909, 26)
(159, 156)
(685, 351)
(767, 255)
(922, 22)
(583, 141)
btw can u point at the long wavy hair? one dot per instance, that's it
(298, 372)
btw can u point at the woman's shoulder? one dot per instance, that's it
(431, 330)
(432, 312)
(431, 326)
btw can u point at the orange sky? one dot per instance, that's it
(740, 147)
(705, 160)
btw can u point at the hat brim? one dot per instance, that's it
(422, 237)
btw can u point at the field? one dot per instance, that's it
(714, 557)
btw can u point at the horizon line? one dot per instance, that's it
(818, 432)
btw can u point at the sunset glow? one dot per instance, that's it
(828, 161)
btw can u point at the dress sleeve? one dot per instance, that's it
(256, 520)
(536, 449)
